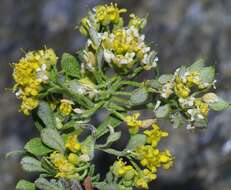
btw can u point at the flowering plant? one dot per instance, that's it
(103, 75)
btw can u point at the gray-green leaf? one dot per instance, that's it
(111, 138)
(46, 115)
(31, 164)
(52, 139)
(162, 111)
(70, 65)
(25, 185)
(165, 78)
(136, 141)
(197, 65)
(36, 147)
(139, 96)
(219, 105)
(178, 120)
(207, 75)
(43, 184)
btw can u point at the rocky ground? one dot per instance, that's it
(181, 31)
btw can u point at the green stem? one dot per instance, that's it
(123, 93)
(131, 83)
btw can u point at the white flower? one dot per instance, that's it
(18, 93)
(195, 114)
(167, 90)
(108, 56)
(187, 102)
(42, 73)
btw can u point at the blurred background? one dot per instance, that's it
(181, 30)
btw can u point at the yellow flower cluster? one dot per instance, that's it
(154, 135)
(65, 168)
(102, 15)
(180, 88)
(133, 123)
(66, 107)
(120, 169)
(123, 45)
(73, 144)
(132, 177)
(151, 158)
(66, 165)
(144, 178)
(136, 21)
(106, 14)
(202, 107)
(29, 74)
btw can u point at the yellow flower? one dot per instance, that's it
(106, 14)
(120, 168)
(133, 123)
(193, 79)
(166, 159)
(29, 74)
(28, 104)
(154, 135)
(152, 158)
(72, 144)
(202, 107)
(136, 21)
(65, 168)
(181, 89)
(144, 178)
(66, 107)
(73, 158)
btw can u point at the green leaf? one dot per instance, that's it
(178, 120)
(219, 105)
(52, 139)
(88, 147)
(25, 185)
(197, 65)
(111, 138)
(207, 75)
(154, 84)
(46, 115)
(31, 164)
(76, 87)
(14, 153)
(136, 141)
(43, 184)
(109, 177)
(165, 78)
(53, 74)
(36, 147)
(102, 129)
(162, 111)
(113, 151)
(105, 186)
(202, 123)
(70, 65)
(139, 96)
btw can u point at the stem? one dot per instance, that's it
(134, 164)
(123, 93)
(131, 83)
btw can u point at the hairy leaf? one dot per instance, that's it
(52, 139)
(46, 115)
(31, 164)
(25, 185)
(36, 147)
(70, 65)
